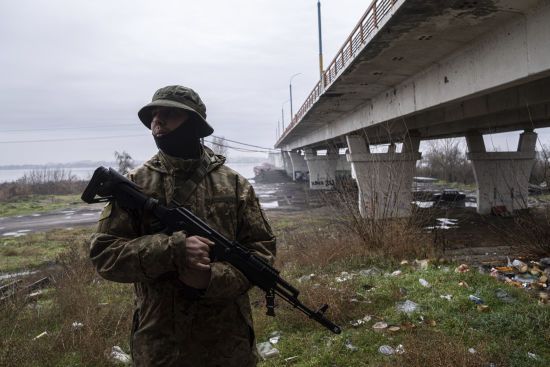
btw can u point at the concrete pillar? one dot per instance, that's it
(384, 179)
(343, 167)
(276, 159)
(300, 171)
(287, 163)
(502, 177)
(322, 169)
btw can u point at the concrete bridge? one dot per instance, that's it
(426, 69)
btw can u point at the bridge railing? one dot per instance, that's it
(361, 34)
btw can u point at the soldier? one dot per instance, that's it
(189, 311)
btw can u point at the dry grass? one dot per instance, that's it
(77, 295)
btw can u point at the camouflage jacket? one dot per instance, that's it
(171, 326)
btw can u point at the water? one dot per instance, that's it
(85, 173)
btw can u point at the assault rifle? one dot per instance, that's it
(109, 185)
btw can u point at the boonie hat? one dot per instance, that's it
(177, 96)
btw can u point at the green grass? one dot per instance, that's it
(38, 204)
(503, 335)
(35, 249)
(438, 334)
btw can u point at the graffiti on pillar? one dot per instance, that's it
(323, 183)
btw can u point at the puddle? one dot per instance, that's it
(67, 212)
(36, 215)
(68, 217)
(89, 214)
(270, 205)
(444, 223)
(19, 233)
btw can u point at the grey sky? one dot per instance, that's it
(81, 69)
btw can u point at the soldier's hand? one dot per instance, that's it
(197, 253)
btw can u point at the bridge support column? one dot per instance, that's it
(300, 170)
(343, 167)
(384, 179)
(287, 163)
(322, 169)
(502, 177)
(276, 159)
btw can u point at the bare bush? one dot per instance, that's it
(124, 161)
(47, 181)
(446, 159)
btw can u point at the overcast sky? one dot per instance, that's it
(73, 74)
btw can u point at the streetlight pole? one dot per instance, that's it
(320, 39)
(283, 114)
(290, 88)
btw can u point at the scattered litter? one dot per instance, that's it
(525, 278)
(543, 298)
(394, 328)
(472, 350)
(350, 346)
(266, 350)
(291, 359)
(462, 268)
(35, 295)
(396, 273)
(463, 285)
(424, 283)
(77, 325)
(403, 291)
(344, 276)
(407, 307)
(504, 296)
(370, 272)
(520, 265)
(404, 262)
(448, 297)
(400, 349)
(422, 264)
(41, 335)
(274, 337)
(532, 356)
(475, 299)
(305, 278)
(545, 261)
(360, 322)
(380, 325)
(431, 322)
(119, 355)
(483, 308)
(386, 350)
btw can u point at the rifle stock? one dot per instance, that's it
(107, 185)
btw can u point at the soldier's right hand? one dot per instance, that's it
(197, 252)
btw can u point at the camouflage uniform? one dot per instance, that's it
(174, 326)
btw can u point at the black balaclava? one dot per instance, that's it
(183, 142)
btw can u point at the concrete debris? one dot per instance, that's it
(424, 283)
(407, 307)
(118, 355)
(266, 350)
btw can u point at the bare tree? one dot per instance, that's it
(124, 161)
(446, 159)
(219, 146)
